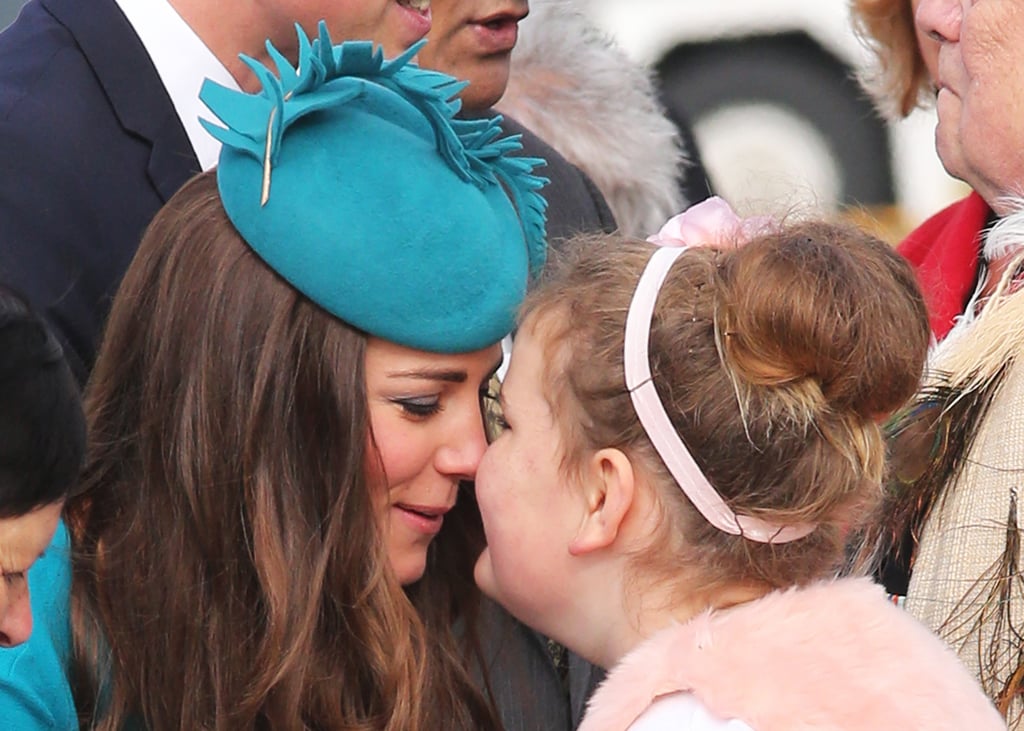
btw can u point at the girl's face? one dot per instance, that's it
(425, 414)
(530, 512)
(22, 540)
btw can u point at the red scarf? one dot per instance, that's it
(944, 252)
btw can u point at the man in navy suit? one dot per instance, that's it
(99, 127)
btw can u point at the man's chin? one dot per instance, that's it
(950, 153)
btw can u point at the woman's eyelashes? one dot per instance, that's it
(418, 407)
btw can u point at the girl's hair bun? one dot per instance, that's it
(828, 305)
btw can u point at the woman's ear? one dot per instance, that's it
(607, 492)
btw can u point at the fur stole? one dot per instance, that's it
(578, 92)
(835, 655)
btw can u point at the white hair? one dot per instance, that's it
(578, 92)
(1007, 235)
(1005, 238)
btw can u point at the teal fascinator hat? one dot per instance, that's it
(351, 177)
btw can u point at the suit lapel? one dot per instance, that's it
(132, 86)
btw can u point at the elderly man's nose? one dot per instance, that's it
(940, 19)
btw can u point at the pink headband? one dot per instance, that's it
(709, 223)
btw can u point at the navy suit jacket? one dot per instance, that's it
(90, 149)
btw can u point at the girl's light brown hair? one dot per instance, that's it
(774, 361)
(228, 569)
(899, 81)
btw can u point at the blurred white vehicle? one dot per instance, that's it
(769, 87)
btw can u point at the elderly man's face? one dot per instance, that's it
(928, 46)
(473, 40)
(980, 102)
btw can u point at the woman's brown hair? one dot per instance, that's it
(899, 82)
(229, 572)
(774, 361)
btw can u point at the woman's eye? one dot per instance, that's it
(419, 407)
(14, 577)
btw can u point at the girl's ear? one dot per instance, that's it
(607, 492)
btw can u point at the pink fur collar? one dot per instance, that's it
(835, 655)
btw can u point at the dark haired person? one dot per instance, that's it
(42, 442)
(42, 445)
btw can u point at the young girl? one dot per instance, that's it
(692, 430)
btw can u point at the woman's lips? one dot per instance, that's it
(425, 519)
(497, 33)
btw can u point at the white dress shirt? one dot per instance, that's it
(183, 62)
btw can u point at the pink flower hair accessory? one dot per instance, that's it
(711, 223)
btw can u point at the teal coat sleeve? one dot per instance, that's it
(34, 690)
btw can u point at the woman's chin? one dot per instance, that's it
(409, 570)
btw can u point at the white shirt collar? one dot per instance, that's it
(183, 62)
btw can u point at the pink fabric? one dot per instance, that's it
(835, 655)
(711, 223)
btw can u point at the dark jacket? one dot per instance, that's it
(91, 148)
(574, 203)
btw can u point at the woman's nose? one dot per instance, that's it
(460, 455)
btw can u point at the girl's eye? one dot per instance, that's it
(488, 395)
(419, 407)
(494, 418)
(14, 577)
(494, 424)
